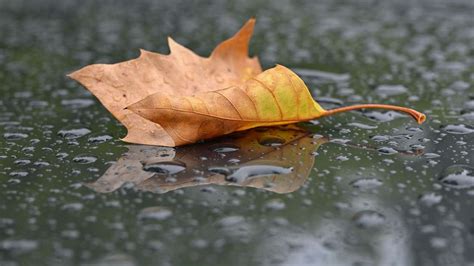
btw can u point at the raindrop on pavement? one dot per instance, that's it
(458, 129)
(368, 219)
(366, 183)
(73, 133)
(165, 168)
(458, 176)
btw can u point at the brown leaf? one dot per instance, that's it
(182, 98)
(180, 73)
(261, 153)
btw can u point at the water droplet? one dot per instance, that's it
(155, 213)
(431, 155)
(381, 116)
(73, 133)
(77, 103)
(22, 162)
(199, 243)
(15, 136)
(430, 199)
(390, 90)
(387, 150)
(380, 138)
(18, 246)
(368, 219)
(224, 148)
(84, 159)
(469, 105)
(458, 176)
(271, 141)
(362, 126)
(230, 221)
(275, 204)
(366, 183)
(438, 242)
(458, 129)
(41, 164)
(249, 171)
(19, 173)
(468, 115)
(342, 158)
(165, 168)
(73, 206)
(220, 170)
(99, 139)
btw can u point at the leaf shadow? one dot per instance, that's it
(277, 159)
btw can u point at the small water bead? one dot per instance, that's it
(380, 138)
(414, 129)
(460, 85)
(77, 206)
(458, 176)
(431, 155)
(73, 133)
(22, 162)
(99, 139)
(430, 199)
(165, 168)
(366, 183)
(380, 116)
(468, 116)
(18, 246)
(438, 242)
(62, 155)
(41, 164)
(387, 150)
(469, 105)
(84, 159)
(271, 141)
(342, 158)
(220, 170)
(6, 222)
(77, 103)
(233, 161)
(70, 234)
(458, 129)
(368, 219)
(224, 148)
(362, 126)
(19, 173)
(199, 243)
(275, 205)
(155, 213)
(252, 171)
(231, 221)
(391, 90)
(14, 136)
(340, 141)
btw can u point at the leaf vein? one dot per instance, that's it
(273, 95)
(235, 108)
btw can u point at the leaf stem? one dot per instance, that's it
(419, 117)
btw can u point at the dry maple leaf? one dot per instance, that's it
(181, 98)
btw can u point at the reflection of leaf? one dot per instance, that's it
(181, 98)
(276, 159)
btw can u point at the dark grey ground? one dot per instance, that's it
(358, 206)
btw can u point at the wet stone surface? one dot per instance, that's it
(362, 188)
